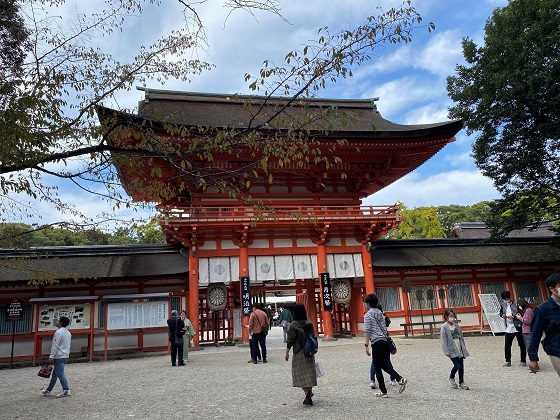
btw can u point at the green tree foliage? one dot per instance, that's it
(48, 125)
(21, 235)
(508, 93)
(449, 215)
(420, 222)
(437, 221)
(150, 233)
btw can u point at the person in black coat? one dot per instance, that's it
(176, 326)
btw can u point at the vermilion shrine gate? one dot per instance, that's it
(310, 220)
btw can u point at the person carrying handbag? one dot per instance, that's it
(376, 336)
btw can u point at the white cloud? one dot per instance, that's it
(427, 114)
(445, 188)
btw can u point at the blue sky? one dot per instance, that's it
(409, 79)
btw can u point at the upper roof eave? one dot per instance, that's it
(442, 129)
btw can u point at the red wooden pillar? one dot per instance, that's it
(194, 312)
(243, 272)
(311, 302)
(327, 316)
(368, 269)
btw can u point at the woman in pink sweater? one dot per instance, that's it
(525, 315)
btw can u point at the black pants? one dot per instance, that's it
(520, 342)
(380, 357)
(176, 351)
(259, 338)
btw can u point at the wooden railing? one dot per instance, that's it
(302, 213)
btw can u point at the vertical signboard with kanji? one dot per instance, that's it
(326, 288)
(245, 296)
(14, 312)
(15, 309)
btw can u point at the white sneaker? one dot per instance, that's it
(372, 385)
(463, 386)
(453, 383)
(394, 382)
(46, 393)
(65, 393)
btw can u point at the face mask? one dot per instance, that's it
(451, 319)
(558, 291)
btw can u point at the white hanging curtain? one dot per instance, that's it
(284, 267)
(203, 273)
(344, 266)
(314, 266)
(358, 265)
(303, 266)
(234, 265)
(330, 266)
(265, 268)
(253, 269)
(219, 270)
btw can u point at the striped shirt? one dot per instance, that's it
(374, 325)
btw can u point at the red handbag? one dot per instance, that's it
(45, 371)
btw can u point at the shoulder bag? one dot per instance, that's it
(390, 343)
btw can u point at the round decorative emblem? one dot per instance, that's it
(302, 266)
(219, 269)
(341, 291)
(344, 266)
(217, 296)
(265, 268)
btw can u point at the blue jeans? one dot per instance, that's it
(458, 366)
(58, 373)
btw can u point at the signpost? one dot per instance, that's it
(245, 296)
(14, 314)
(326, 288)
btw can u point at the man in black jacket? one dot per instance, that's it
(176, 332)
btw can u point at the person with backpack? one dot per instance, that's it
(376, 336)
(304, 375)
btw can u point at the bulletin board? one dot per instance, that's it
(129, 315)
(78, 314)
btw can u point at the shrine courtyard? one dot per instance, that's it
(218, 383)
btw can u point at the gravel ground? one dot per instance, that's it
(218, 383)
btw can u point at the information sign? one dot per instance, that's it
(327, 294)
(15, 309)
(245, 296)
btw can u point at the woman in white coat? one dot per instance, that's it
(453, 345)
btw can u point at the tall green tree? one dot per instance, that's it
(418, 223)
(453, 213)
(508, 94)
